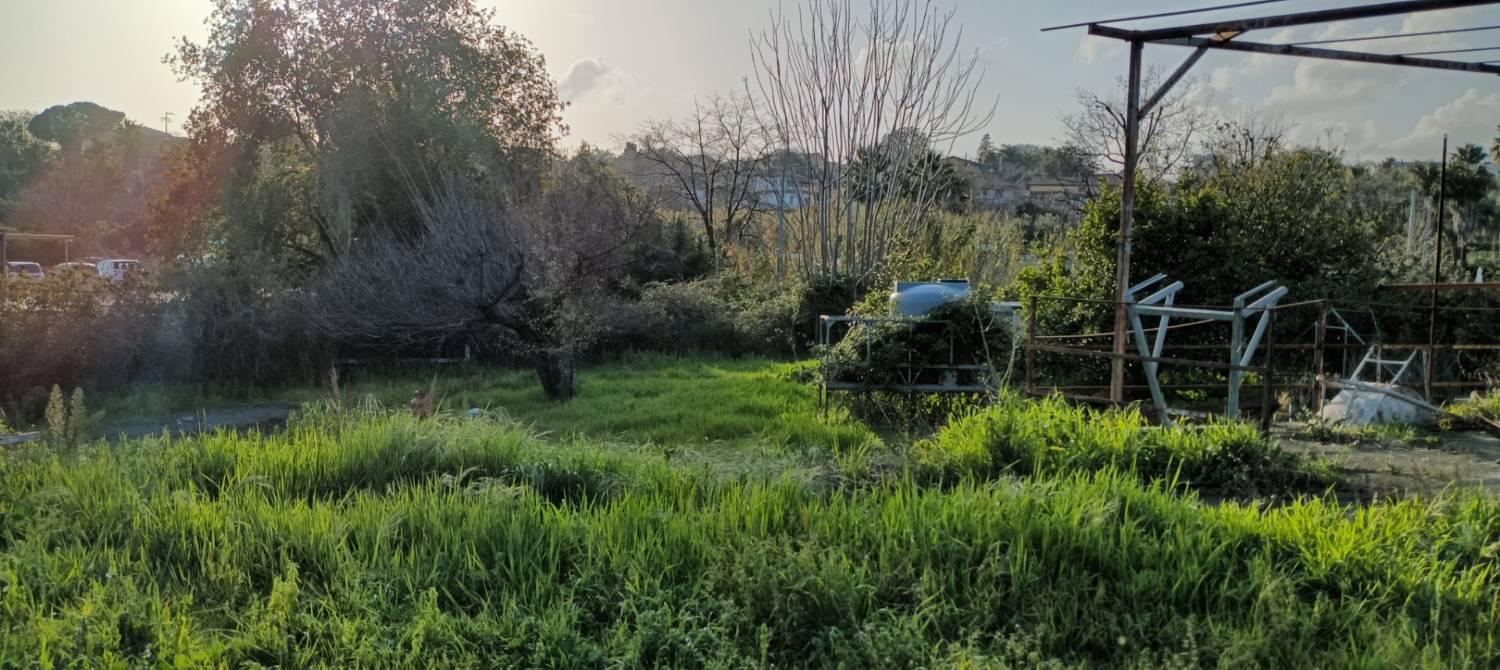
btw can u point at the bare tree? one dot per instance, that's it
(1243, 140)
(532, 270)
(712, 161)
(1167, 132)
(833, 82)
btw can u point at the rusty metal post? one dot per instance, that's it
(1268, 373)
(1030, 344)
(1127, 211)
(1437, 277)
(1319, 343)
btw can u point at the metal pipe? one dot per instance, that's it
(1305, 18)
(1267, 382)
(1388, 37)
(1127, 211)
(1437, 272)
(1320, 341)
(1313, 52)
(1159, 15)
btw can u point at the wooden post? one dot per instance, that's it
(1127, 211)
(1320, 340)
(1268, 374)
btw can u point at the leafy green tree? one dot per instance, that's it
(1468, 183)
(70, 126)
(23, 158)
(1287, 217)
(987, 155)
(102, 195)
(360, 99)
(926, 176)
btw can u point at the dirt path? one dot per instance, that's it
(1390, 467)
(264, 417)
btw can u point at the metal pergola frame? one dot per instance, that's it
(6, 236)
(1225, 35)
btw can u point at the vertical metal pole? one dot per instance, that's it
(1236, 353)
(1267, 375)
(1127, 211)
(1319, 343)
(1030, 344)
(1437, 275)
(781, 219)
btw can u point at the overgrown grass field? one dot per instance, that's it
(1024, 535)
(649, 398)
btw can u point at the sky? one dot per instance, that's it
(620, 63)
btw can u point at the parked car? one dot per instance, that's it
(79, 267)
(118, 268)
(26, 269)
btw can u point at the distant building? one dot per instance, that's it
(1007, 189)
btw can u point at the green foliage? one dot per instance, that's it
(965, 332)
(23, 157)
(1477, 407)
(471, 543)
(67, 423)
(923, 176)
(1050, 437)
(57, 417)
(1285, 217)
(1404, 434)
(73, 330)
(73, 124)
(456, 92)
(725, 313)
(664, 400)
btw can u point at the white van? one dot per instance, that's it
(117, 268)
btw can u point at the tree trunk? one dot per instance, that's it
(556, 374)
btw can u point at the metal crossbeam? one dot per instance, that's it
(1300, 51)
(1306, 18)
(1371, 38)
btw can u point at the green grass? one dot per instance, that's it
(375, 540)
(663, 400)
(1049, 436)
(1477, 407)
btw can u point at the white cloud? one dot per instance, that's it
(598, 81)
(1094, 49)
(1320, 86)
(585, 75)
(1470, 118)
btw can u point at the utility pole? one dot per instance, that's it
(166, 122)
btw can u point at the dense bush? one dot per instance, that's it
(1288, 217)
(1021, 437)
(388, 542)
(726, 313)
(966, 332)
(74, 330)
